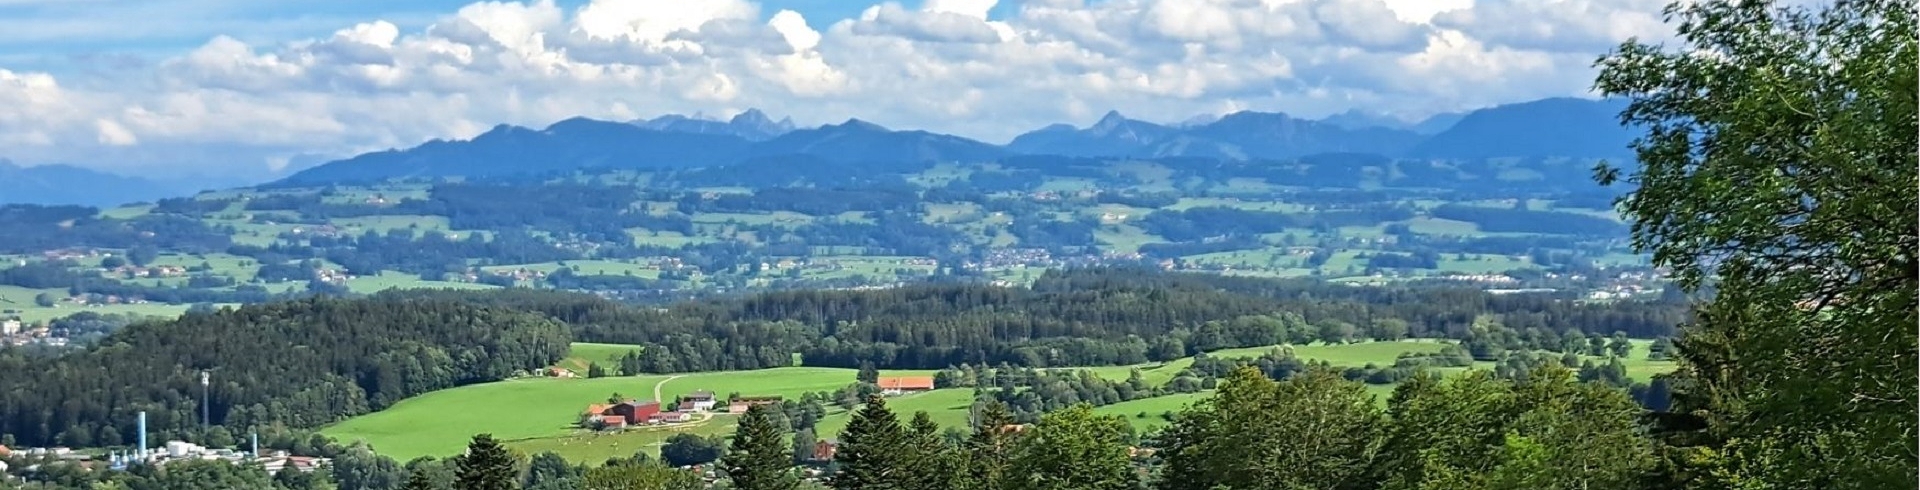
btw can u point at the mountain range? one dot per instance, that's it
(1557, 127)
(67, 184)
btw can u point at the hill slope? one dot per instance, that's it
(1542, 128)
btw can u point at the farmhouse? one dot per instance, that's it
(823, 451)
(621, 414)
(671, 417)
(741, 404)
(905, 384)
(698, 401)
(636, 412)
(559, 372)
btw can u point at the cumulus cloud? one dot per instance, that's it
(945, 65)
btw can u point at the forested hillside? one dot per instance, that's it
(298, 363)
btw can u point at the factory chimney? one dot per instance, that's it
(256, 444)
(141, 454)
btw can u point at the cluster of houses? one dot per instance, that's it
(14, 332)
(633, 413)
(133, 271)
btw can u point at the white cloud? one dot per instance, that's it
(946, 66)
(113, 134)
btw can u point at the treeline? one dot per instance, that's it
(1506, 220)
(1067, 318)
(1214, 221)
(31, 229)
(297, 363)
(200, 287)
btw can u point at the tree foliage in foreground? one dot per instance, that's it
(487, 465)
(1778, 169)
(1072, 449)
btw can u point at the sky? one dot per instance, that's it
(246, 87)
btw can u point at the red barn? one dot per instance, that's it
(636, 412)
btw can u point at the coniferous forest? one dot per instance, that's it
(295, 364)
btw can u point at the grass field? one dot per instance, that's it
(1153, 407)
(537, 414)
(608, 355)
(390, 280)
(17, 302)
(439, 423)
(787, 382)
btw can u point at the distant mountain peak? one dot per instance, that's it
(1113, 119)
(1198, 120)
(751, 116)
(858, 124)
(751, 124)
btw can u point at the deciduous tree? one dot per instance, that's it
(1778, 171)
(1073, 449)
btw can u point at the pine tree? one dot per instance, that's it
(486, 466)
(418, 480)
(759, 458)
(932, 460)
(873, 450)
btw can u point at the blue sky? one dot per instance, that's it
(250, 86)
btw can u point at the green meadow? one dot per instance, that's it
(538, 414)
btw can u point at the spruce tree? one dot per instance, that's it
(759, 458)
(486, 466)
(419, 480)
(986, 450)
(873, 451)
(929, 456)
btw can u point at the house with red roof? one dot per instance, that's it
(905, 384)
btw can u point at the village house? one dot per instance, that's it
(280, 461)
(671, 417)
(823, 451)
(741, 404)
(636, 412)
(905, 384)
(619, 415)
(558, 372)
(698, 401)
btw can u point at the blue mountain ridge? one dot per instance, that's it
(1559, 127)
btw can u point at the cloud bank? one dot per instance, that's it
(944, 65)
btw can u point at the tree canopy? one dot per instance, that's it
(1778, 173)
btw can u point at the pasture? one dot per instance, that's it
(390, 280)
(537, 414)
(441, 422)
(582, 353)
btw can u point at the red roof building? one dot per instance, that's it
(903, 384)
(636, 412)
